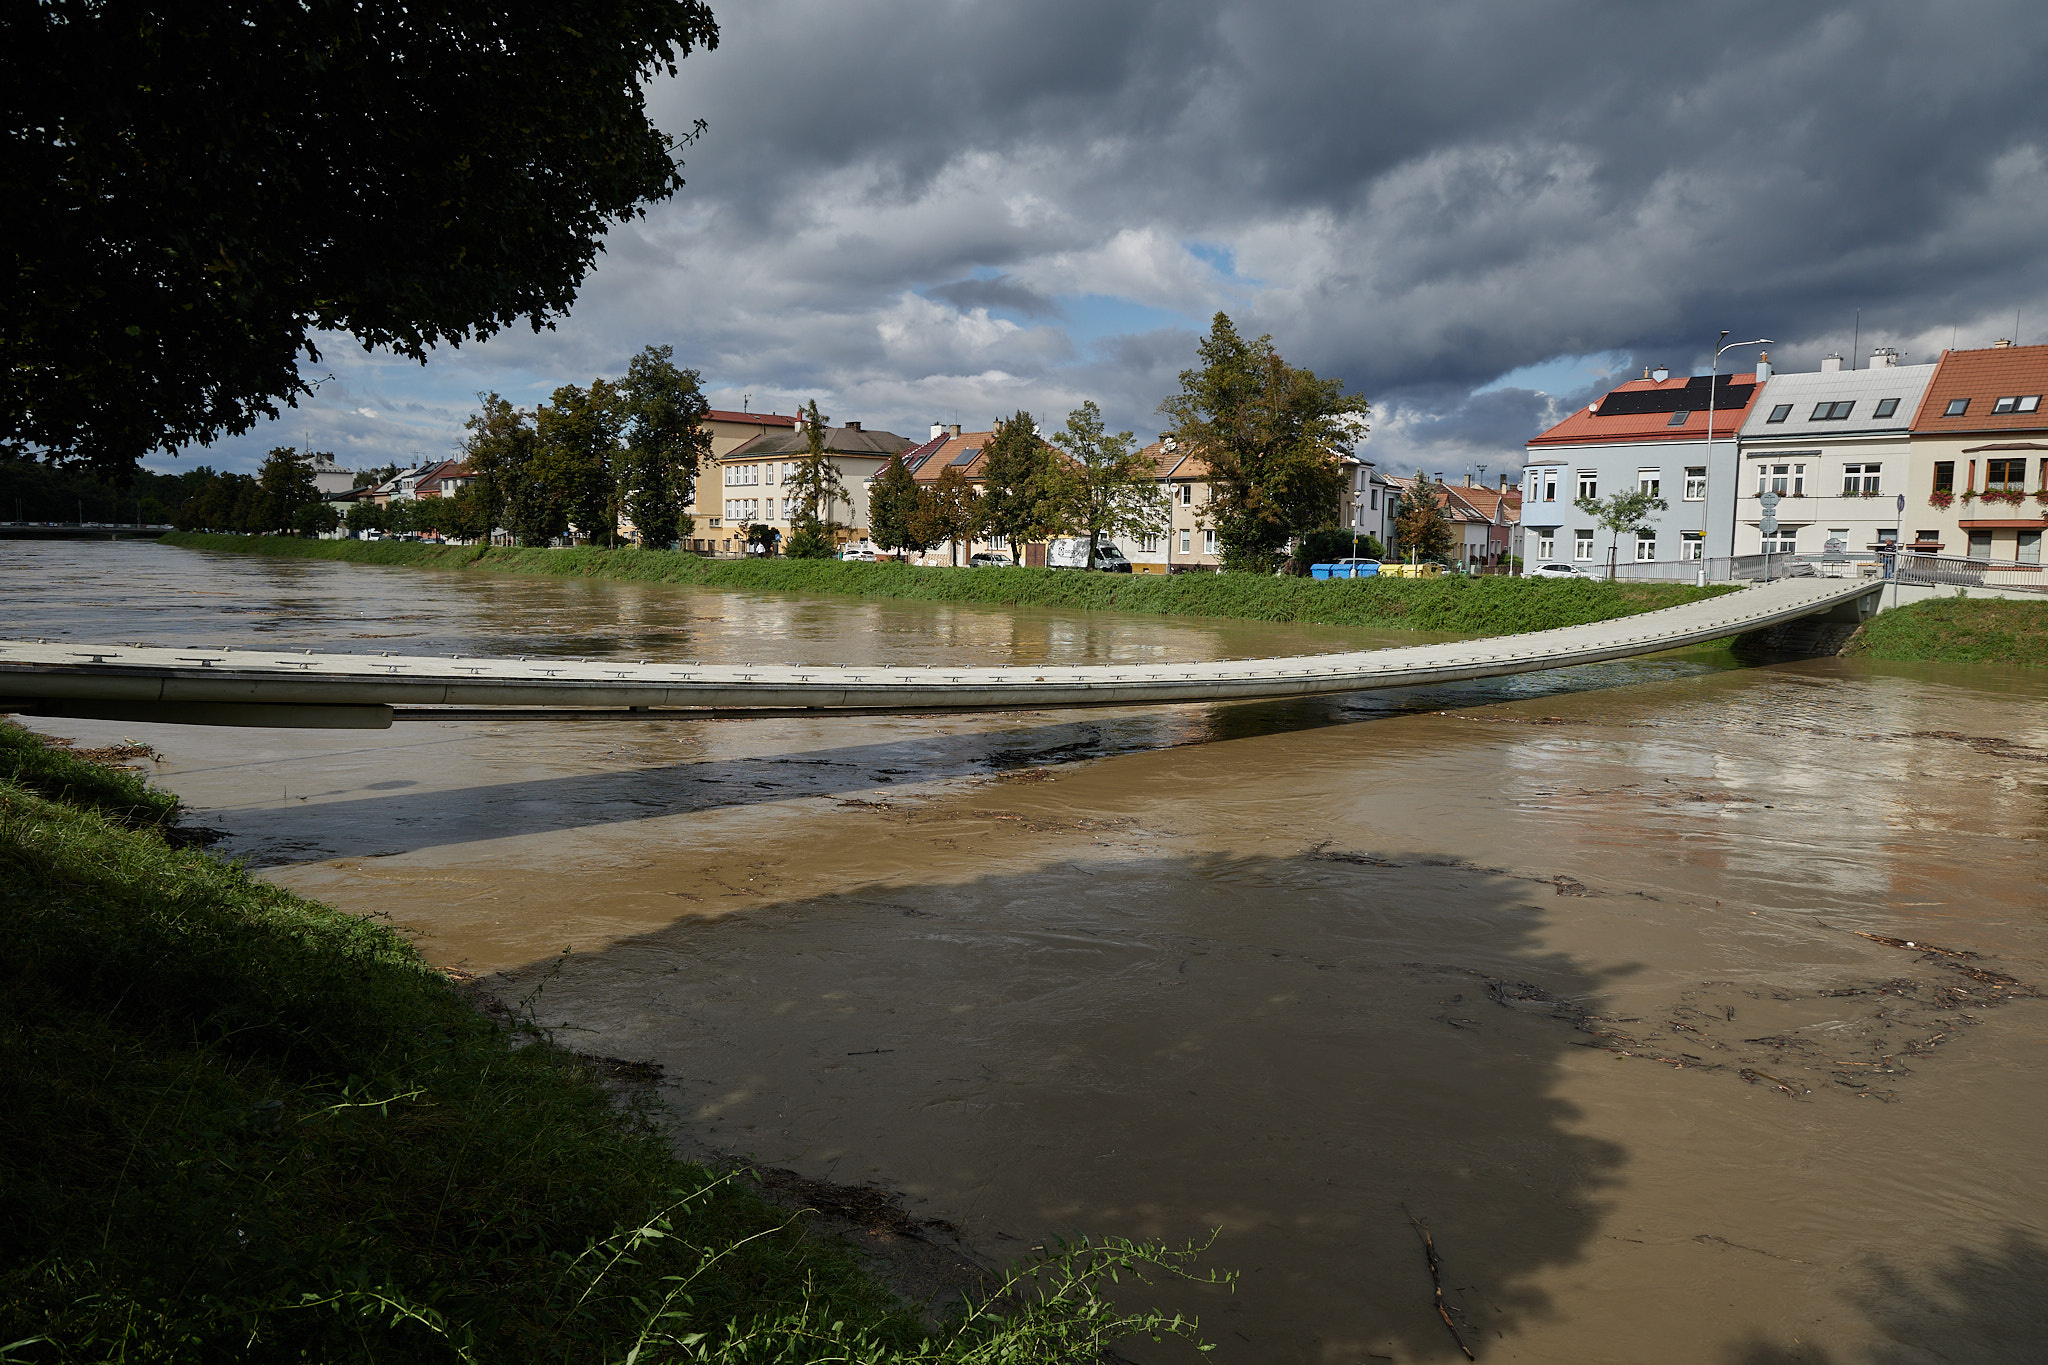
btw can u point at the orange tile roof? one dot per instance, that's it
(1588, 427)
(1984, 376)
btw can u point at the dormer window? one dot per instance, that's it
(1678, 419)
(1886, 407)
(1780, 413)
(2029, 403)
(1832, 412)
(1956, 407)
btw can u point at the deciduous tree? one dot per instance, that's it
(892, 509)
(1625, 512)
(498, 450)
(1020, 485)
(663, 407)
(1421, 524)
(196, 192)
(1269, 433)
(568, 481)
(950, 510)
(1109, 489)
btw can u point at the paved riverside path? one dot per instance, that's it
(265, 686)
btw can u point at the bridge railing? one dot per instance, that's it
(1914, 570)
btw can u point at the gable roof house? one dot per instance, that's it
(750, 478)
(1978, 474)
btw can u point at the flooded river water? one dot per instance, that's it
(1616, 977)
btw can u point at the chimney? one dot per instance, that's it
(938, 430)
(1763, 366)
(853, 426)
(1660, 373)
(1883, 358)
(954, 429)
(1832, 364)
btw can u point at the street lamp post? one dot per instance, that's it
(1735, 480)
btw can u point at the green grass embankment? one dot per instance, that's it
(1975, 630)
(1470, 606)
(239, 1125)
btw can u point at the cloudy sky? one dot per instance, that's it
(1477, 215)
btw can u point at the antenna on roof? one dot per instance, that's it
(1856, 339)
(746, 401)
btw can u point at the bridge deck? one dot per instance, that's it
(213, 684)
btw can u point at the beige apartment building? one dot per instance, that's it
(751, 483)
(1978, 480)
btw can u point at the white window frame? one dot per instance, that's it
(1546, 546)
(1696, 483)
(1582, 547)
(1589, 484)
(1187, 539)
(1646, 546)
(1208, 542)
(1650, 481)
(1692, 545)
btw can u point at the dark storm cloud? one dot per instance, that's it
(915, 208)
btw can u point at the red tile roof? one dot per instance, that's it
(1589, 427)
(752, 419)
(1983, 377)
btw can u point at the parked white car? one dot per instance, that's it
(1557, 571)
(988, 559)
(1071, 552)
(859, 551)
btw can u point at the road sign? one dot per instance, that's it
(1770, 502)
(1769, 525)
(1902, 504)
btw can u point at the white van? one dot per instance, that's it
(1071, 552)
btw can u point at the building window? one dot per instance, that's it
(715, 523)
(2028, 550)
(1650, 481)
(1582, 545)
(1956, 407)
(1208, 542)
(1550, 487)
(1679, 418)
(1375, 499)
(1146, 544)
(1780, 413)
(1646, 545)
(1589, 484)
(1886, 407)
(1859, 480)
(1782, 479)
(1546, 547)
(1944, 476)
(1692, 545)
(1832, 412)
(1187, 497)
(2005, 474)
(1980, 545)
(1785, 542)
(771, 509)
(1186, 541)
(1696, 483)
(2030, 403)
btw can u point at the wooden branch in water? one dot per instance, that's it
(1436, 1278)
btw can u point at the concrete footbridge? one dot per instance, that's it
(269, 687)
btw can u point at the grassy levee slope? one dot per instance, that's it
(1976, 630)
(237, 1124)
(1472, 606)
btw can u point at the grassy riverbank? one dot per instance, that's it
(237, 1124)
(1976, 630)
(1473, 606)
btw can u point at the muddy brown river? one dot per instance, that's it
(1690, 1007)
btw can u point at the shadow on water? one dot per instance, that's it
(1979, 1306)
(386, 820)
(1300, 1051)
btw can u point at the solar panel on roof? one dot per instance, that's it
(967, 456)
(1691, 398)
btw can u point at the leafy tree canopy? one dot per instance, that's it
(1270, 433)
(892, 509)
(1421, 525)
(663, 407)
(197, 191)
(1109, 489)
(815, 490)
(1021, 484)
(1622, 513)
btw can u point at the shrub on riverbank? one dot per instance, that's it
(1470, 606)
(237, 1124)
(1975, 630)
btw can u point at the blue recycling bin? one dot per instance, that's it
(1321, 570)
